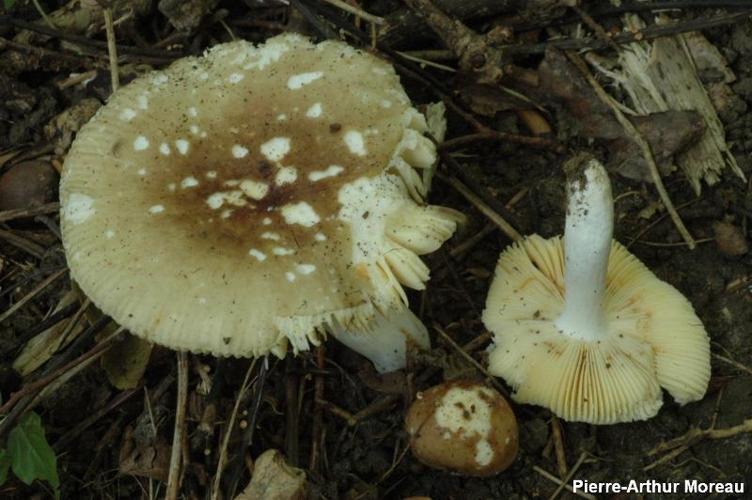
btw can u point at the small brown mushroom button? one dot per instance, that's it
(213, 206)
(464, 427)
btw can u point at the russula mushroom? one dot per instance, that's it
(463, 426)
(254, 197)
(583, 328)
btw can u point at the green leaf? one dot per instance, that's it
(31, 456)
(4, 466)
(8, 3)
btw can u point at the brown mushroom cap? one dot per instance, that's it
(252, 196)
(464, 427)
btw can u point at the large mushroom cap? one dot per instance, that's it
(251, 196)
(653, 338)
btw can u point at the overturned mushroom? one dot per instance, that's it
(253, 197)
(584, 328)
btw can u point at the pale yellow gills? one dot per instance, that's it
(604, 356)
(253, 197)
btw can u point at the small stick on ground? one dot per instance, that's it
(560, 482)
(735, 364)
(679, 445)
(112, 49)
(292, 415)
(21, 213)
(561, 455)
(635, 135)
(462, 248)
(492, 135)
(486, 210)
(37, 289)
(175, 471)
(318, 395)
(475, 52)
(215, 491)
(568, 477)
(357, 12)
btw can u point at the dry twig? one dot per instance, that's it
(492, 215)
(175, 472)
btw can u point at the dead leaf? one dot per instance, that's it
(273, 479)
(148, 460)
(125, 362)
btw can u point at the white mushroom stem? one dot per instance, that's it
(587, 243)
(389, 337)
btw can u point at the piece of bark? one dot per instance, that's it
(668, 133)
(273, 479)
(661, 75)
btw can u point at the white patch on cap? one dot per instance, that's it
(79, 208)
(156, 209)
(260, 256)
(192, 111)
(254, 189)
(140, 143)
(354, 142)
(239, 151)
(268, 53)
(267, 221)
(236, 198)
(189, 182)
(385, 103)
(236, 77)
(142, 102)
(305, 268)
(270, 236)
(127, 114)
(161, 79)
(171, 186)
(194, 129)
(319, 237)
(483, 453)
(300, 213)
(286, 175)
(282, 251)
(204, 76)
(211, 174)
(290, 276)
(141, 172)
(275, 149)
(182, 145)
(464, 411)
(109, 234)
(330, 171)
(296, 82)
(314, 111)
(164, 148)
(215, 200)
(281, 117)
(379, 71)
(226, 213)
